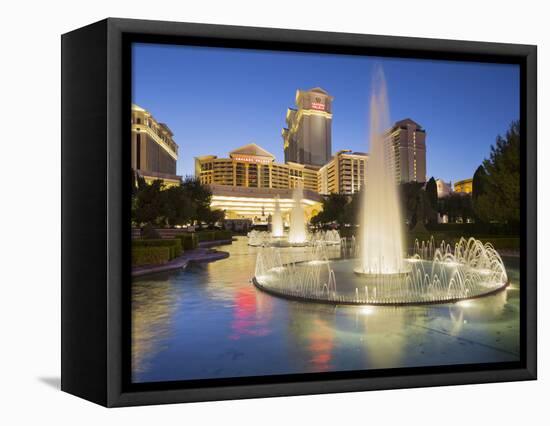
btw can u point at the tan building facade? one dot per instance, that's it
(251, 166)
(307, 137)
(344, 174)
(464, 185)
(444, 189)
(258, 203)
(407, 150)
(245, 184)
(154, 151)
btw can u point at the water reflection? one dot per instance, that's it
(210, 321)
(384, 328)
(153, 304)
(311, 335)
(321, 343)
(251, 314)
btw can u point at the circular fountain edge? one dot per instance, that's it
(296, 298)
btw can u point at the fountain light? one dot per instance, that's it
(367, 310)
(297, 233)
(277, 229)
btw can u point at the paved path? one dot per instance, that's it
(198, 255)
(214, 243)
(509, 252)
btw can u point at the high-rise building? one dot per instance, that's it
(308, 135)
(344, 174)
(154, 151)
(407, 151)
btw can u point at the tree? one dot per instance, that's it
(457, 206)
(479, 188)
(410, 201)
(497, 197)
(416, 205)
(201, 196)
(431, 192)
(213, 216)
(333, 210)
(178, 208)
(479, 183)
(148, 204)
(353, 208)
(158, 205)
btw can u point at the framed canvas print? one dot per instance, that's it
(252, 212)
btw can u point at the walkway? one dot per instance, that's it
(199, 255)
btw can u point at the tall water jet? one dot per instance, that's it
(381, 236)
(277, 220)
(297, 233)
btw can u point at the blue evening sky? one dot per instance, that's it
(218, 99)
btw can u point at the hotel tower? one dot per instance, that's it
(154, 151)
(407, 150)
(307, 136)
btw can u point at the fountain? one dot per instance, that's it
(297, 234)
(277, 229)
(373, 269)
(469, 270)
(381, 236)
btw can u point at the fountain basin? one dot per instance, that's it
(267, 239)
(473, 270)
(374, 275)
(344, 301)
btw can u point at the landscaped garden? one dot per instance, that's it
(165, 220)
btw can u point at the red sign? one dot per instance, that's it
(251, 159)
(318, 106)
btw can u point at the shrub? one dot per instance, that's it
(150, 255)
(474, 229)
(206, 235)
(189, 241)
(223, 235)
(503, 243)
(149, 232)
(173, 244)
(216, 235)
(348, 231)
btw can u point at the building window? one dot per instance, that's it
(138, 151)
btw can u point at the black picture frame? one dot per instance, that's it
(95, 208)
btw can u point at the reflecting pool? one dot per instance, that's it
(209, 321)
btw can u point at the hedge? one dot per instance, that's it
(214, 235)
(150, 255)
(173, 244)
(503, 243)
(474, 229)
(223, 235)
(205, 236)
(189, 241)
(348, 231)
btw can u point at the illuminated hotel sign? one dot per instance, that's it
(319, 106)
(252, 159)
